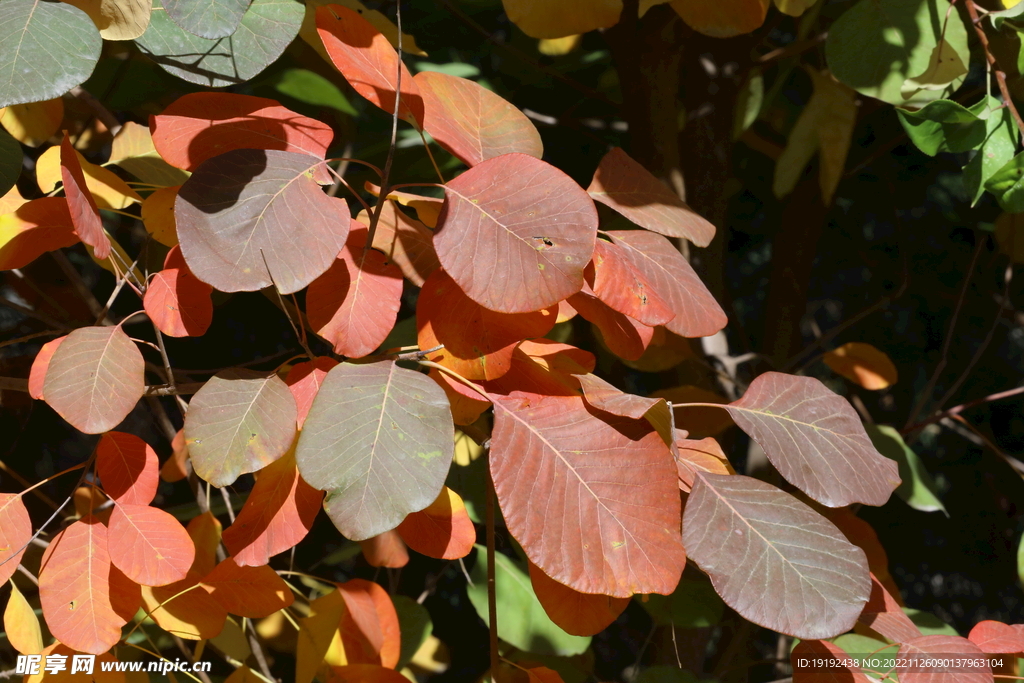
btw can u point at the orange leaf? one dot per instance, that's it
(369, 626)
(37, 375)
(542, 674)
(443, 530)
(22, 625)
(665, 351)
(363, 673)
(704, 455)
(466, 404)
(253, 592)
(366, 59)
(427, 208)
(625, 337)
(604, 396)
(86, 499)
(545, 368)
(385, 550)
(10, 202)
(478, 343)
(202, 125)
(277, 515)
(175, 469)
(304, 380)
(85, 598)
(205, 532)
(579, 614)
(355, 303)
(862, 364)
(15, 533)
(722, 18)
(128, 468)
(885, 615)
(619, 284)
(405, 241)
(84, 214)
(33, 229)
(177, 301)
(149, 545)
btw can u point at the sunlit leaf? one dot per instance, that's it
(516, 233)
(862, 535)
(95, 378)
(107, 189)
(86, 499)
(1006, 185)
(442, 530)
(133, 150)
(705, 455)
(207, 18)
(64, 654)
(581, 517)
(578, 614)
(12, 201)
(46, 48)
(478, 343)
(427, 208)
(149, 545)
(472, 122)
(466, 404)
(604, 396)
(158, 215)
(34, 123)
(305, 380)
(933, 649)
(37, 374)
(363, 673)
(863, 364)
(830, 664)
(815, 439)
(239, 422)
(249, 211)
(174, 468)
(128, 468)
(374, 430)
(625, 337)
(699, 422)
(33, 229)
(85, 599)
(178, 302)
(267, 28)
(995, 637)
(385, 550)
(556, 47)
(624, 288)
(543, 367)
(84, 214)
(773, 559)
(253, 592)
(313, 89)
(15, 533)
(414, 624)
(21, 624)
(1001, 138)
(794, 8)
(722, 18)
(405, 241)
(543, 19)
(117, 19)
(885, 615)
(917, 488)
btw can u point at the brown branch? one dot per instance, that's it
(972, 10)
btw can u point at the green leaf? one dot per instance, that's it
(378, 439)
(997, 149)
(929, 624)
(460, 69)
(522, 621)
(312, 88)
(1002, 15)
(207, 18)
(943, 126)
(748, 103)
(861, 647)
(266, 30)
(10, 161)
(693, 604)
(46, 48)
(917, 488)
(896, 51)
(665, 674)
(414, 624)
(1007, 186)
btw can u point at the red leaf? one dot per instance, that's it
(85, 599)
(128, 468)
(149, 545)
(33, 229)
(427, 208)
(579, 614)
(175, 468)
(37, 375)
(363, 673)
(624, 336)
(202, 125)
(15, 533)
(618, 283)
(672, 277)
(516, 233)
(406, 242)
(542, 674)
(828, 666)
(385, 550)
(585, 520)
(704, 455)
(443, 530)
(884, 615)
(478, 343)
(545, 368)
(467, 405)
(355, 303)
(277, 515)
(630, 189)
(369, 624)
(253, 592)
(472, 122)
(941, 650)
(177, 301)
(368, 62)
(603, 396)
(304, 380)
(84, 214)
(95, 378)
(862, 535)
(997, 638)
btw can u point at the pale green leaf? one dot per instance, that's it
(929, 624)
(1007, 185)
(414, 624)
(312, 88)
(917, 488)
(748, 103)
(863, 647)
(998, 147)
(207, 18)
(693, 604)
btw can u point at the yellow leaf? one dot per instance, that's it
(10, 202)
(133, 150)
(118, 262)
(466, 450)
(35, 123)
(944, 67)
(158, 215)
(117, 19)
(547, 19)
(432, 656)
(794, 8)
(1010, 3)
(555, 47)
(862, 364)
(109, 191)
(317, 634)
(22, 624)
(380, 22)
(722, 18)
(232, 641)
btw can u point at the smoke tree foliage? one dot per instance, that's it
(603, 494)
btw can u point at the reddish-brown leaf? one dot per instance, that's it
(128, 467)
(84, 214)
(862, 364)
(149, 545)
(95, 378)
(583, 518)
(478, 343)
(177, 301)
(304, 380)
(697, 314)
(443, 530)
(815, 439)
(37, 374)
(603, 396)
(997, 638)
(85, 599)
(363, 673)
(467, 405)
(704, 455)
(542, 674)
(385, 550)
(773, 559)
(366, 59)
(176, 467)
(406, 242)
(472, 122)
(15, 533)
(516, 233)
(665, 351)
(830, 664)
(545, 368)
(253, 592)
(202, 125)
(580, 614)
(625, 337)
(33, 229)
(619, 284)
(355, 303)
(862, 535)
(277, 515)
(885, 615)
(627, 187)
(369, 625)
(942, 651)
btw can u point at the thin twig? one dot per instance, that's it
(972, 10)
(32, 313)
(956, 410)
